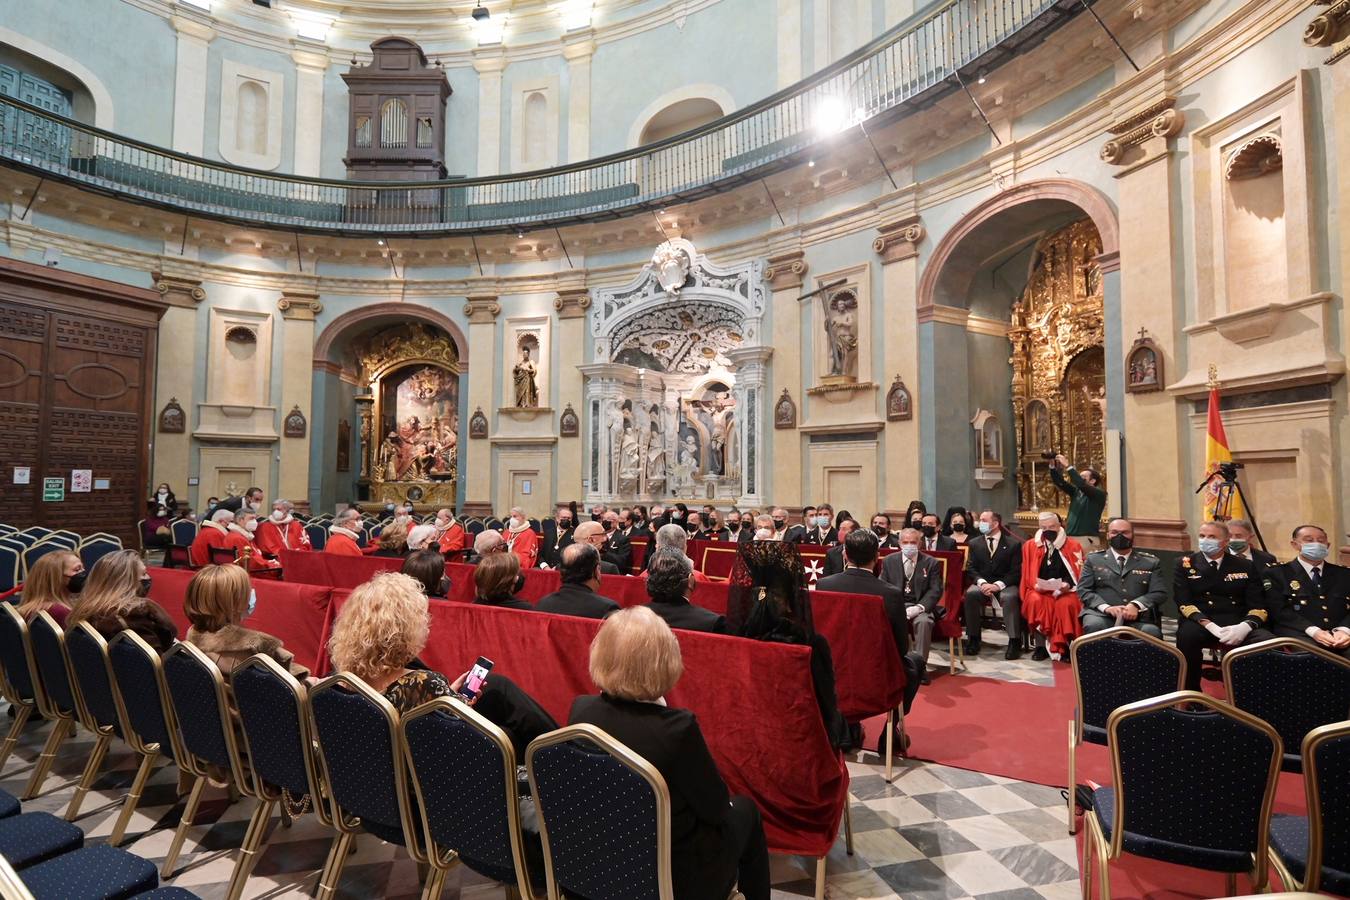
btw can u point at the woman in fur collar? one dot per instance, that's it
(1051, 563)
(219, 598)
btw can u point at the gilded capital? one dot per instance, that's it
(572, 303)
(481, 310)
(899, 240)
(1157, 120)
(185, 291)
(786, 270)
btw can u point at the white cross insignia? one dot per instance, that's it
(814, 569)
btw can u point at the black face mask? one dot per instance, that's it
(880, 531)
(959, 527)
(712, 524)
(76, 583)
(779, 523)
(144, 588)
(595, 517)
(1120, 542)
(607, 525)
(520, 584)
(929, 530)
(1049, 535)
(443, 587)
(564, 523)
(733, 526)
(915, 522)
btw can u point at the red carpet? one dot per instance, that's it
(1021, 731)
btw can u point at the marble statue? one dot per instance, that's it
(723, 434)
(527, 390)
(630, 460)
(841, 330)
(656, 452)
(390, 453)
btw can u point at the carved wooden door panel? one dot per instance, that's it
(22, 350)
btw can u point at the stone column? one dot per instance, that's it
(189, 80)
(607, 386)
(571, 305)
(489, 64)
(898, 247)
(298, 309)
(578, 49)
(753, 411)
(477, 475)
(175, 363)
(1113, 346)
(785, 274)
(310, 66)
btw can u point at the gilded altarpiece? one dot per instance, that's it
(409, 415)
(1058, 366)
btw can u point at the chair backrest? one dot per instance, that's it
(1202, 778)
(184, 531)
(363, 767)
(604, 817)
(469, 805)
(142, 696)
(474, 526)
(18, 540)
(221, 556)
(97, 546)
(7, 529)
(274, 715)
(49, 653)
(493, 523)
(22, 685)
(1326, 769)
(63, 536)
(92, 671)
(202, 709)
(10, 557)
(39, 550)
(176, 557)
(318, 536)
(1294, 685)
(140, 535)
(1118, 666)
(35, 533)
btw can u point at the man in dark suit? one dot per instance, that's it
(579, 593)
(593, 533)
(1316, 601)
(249, 501)
(994, 568)
(1241, 535)
(881, 527)
(820, 530)
(1221, 599)
(860, 554)
(618, 549)
(834, 557)
(749, 526)
(551, 548)
(1121, 585)
(793, 534)
(670, 578)
(919, 578)
(933, 538)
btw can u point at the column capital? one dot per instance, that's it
(899, 240)
(1159, 119)
(572, 303)
(1108, 263)
(179, 289)
(579, 47)
(489, 61)
(198, 26)
(786, 270)
(307, 55)
(482, 309)
(299, 305)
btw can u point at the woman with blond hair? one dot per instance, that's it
(393, 540)
(716, 840)
(496, 579)
(384, 625)
(114, 600)
(218, 599)
(51, 586)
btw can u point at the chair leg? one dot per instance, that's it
(332, 869)
(1073, 800)
(91, 770)
(1287, 881)
(248, 850)
(60, 731)
(890, 742)
(1086, 867)
(951, 656)
(848, 826)
(184, 823)
(133, 798)
(1230, 884)
(820, 878)
(20, 719)
(434, 884)
(1104, 857)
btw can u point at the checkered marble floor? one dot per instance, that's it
(936, 832)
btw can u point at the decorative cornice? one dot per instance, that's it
(572, 303)
(943, 315)
(786, 270)
(1108, 263)
(899, 240)
(299, 305)
(1330, 29)
(178, 288)
(482, 310)
(1157, 120)
(194, 25)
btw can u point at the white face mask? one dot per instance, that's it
(278, 514)
(515, 522)
(909, 550)
(163, 492)
(251, 526)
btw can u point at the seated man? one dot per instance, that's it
(673, 537)
(1221, 599)
(994, 569)
(344, 533)
(618, 550)
(1051, 563)
(834, 557)
(1241, 534)
(933, 538)
(240, 541)
(1121, 585)
(881, 527)
(670, 578)
(579, 594)
(451, 539)
(919, 578)
(521, 538)
(820, 529)
(281, 531)
(1316, 605)
(485, 543)
(593, 533)
(214, 534)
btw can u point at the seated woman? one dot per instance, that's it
(114, 600)
(52, 584)
(715, 839)
(155, 531)
(957, 524)
(1051, 564)
(420, 537)
(914, 514)
(384, 624)
(496, 578)
(218, 599)
(393, 540)
(427, 568)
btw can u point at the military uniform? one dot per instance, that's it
(1104, 582)
(1308, 602)
(1225, 591)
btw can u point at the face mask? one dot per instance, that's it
(1237, 545)
(1120, 542)
(879, 531)
(959, 527)
(909, 550)
(986, 527)
(916, 521)
(514, 523)
(1209, 545)
(443, 586)
(252, 603)
(929, 531)
(1314, 551)
(733, 526)
(1049, 535)
(145, 587)
(252, 526)
(822, 521)
(779, 523)
(564, 523)
(607, 525)
(163, 493)
(278, 514)
(76, 583)
(677, 515)
(211, 505)
(595, 517)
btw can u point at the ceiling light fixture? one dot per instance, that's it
(810, 163)
(480, 13)
(981, 77)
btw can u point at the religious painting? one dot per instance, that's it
(420, 424)
(1143, 366)
(899, 403)
(344, 446)
(785, 411)
(295, 425)
(172, 420)
(568, 423)
(478, 424)
(1038, 426)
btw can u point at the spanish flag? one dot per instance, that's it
(1221, 501)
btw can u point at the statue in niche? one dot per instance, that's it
(656, 451)
(1038, 430)
(687, 462)
(344, 446)
(390, 452)
(630, 460)
(723, 444)
(841, 332)
(527, 390)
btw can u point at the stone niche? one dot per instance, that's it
(238, 403)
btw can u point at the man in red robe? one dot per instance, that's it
(521, 539)
(343, 534)
(240, 541)
(450, 537)
(214, 533)
(1051, 563)
(281, 531)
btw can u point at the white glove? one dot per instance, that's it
(1215, 630)
(1236, 634)
(914, 611)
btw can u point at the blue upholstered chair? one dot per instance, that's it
(7, 529)
(31, 838)
(1110, 669)
(35, 533)
(1294, 685)
(96, 546)
(470, 808)
(49, 658)
(9, 805)
(146, 712)
(96, 703)
(318, 535)
(274, 717)
(473, 526)
(184, 532)
(600, 803)
(70, 539)
(1312, 852)
(493, 523)
(90, 873)
(1192, 787)
(39, 550)
(11, 559)
(363, 769)
(19, 682)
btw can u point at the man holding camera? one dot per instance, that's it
(1086, 500)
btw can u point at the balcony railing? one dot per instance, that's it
(907, 68)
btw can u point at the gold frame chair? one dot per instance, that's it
(1279, 643)
(1076, 723)
(1312, 874)
(105, 734)
(348, 826)
(65, 722)
(267, 795)
(24, 709)
(1095, 844)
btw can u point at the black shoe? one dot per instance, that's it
(1040, 653)
(970, 648)
(1014, 651)
(924, 679)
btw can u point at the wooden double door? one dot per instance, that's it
(77, 363)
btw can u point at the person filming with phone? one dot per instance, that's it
(1087, 499)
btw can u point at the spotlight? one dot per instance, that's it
(520, 233)
(480, 13)
(381, 243)
(981, 77)
(810, 163)
(831, 116)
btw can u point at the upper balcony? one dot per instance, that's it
(905, 69)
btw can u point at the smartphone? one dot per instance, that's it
(473, 682)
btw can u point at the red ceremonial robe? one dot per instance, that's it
(211, 534)
(525, 545)
(1054, 616)
(272, 536)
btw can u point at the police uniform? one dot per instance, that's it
(1225, 591)
(1319, 598)
(1106, 582)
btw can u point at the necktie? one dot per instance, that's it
(1120, 563)
(1317, 576)
(909, 569)
(991, 546)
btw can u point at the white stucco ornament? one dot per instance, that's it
(672, 262)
